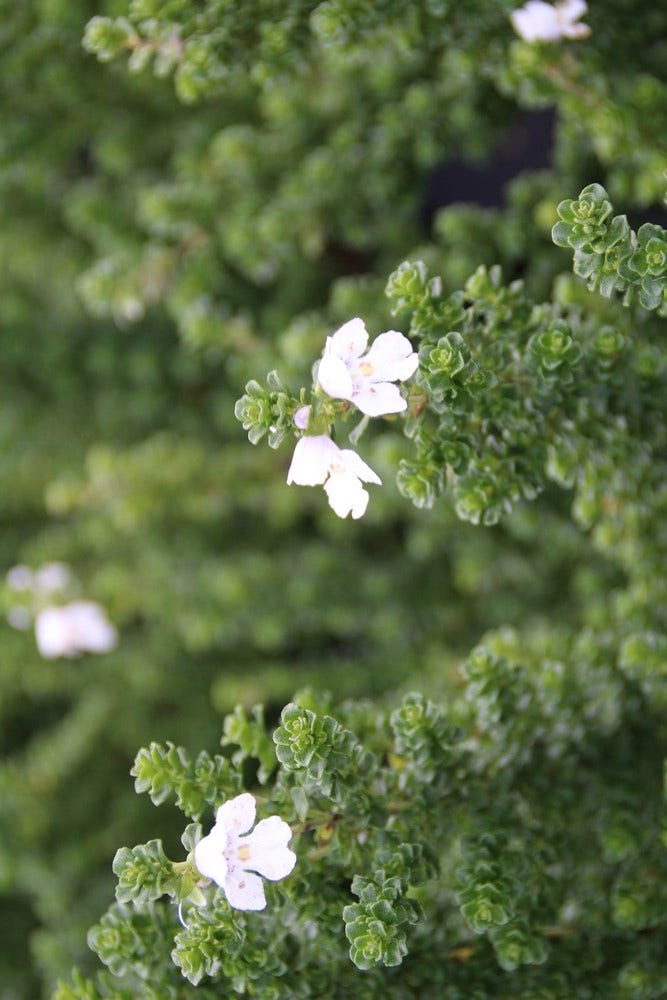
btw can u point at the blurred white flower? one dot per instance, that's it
(48, 579)
(345, 372)
(317, 461)
(537, 21)
(19, 618)
(231, 859)
(51, 578)
(75, 628)
(20, 577)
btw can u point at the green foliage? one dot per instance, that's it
(326, 757)
(374, 925)
(132, 938)
(144, 873)
(266, 410)
(608, 253)
(248, 734)
(536, 732)
(476, 379)
(163, 771)
(497, 883)
(507, 399)
(423, 735)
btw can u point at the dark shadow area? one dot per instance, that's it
(528, 145)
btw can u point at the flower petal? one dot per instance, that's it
(269, 855)
(91, 629)
(349, 461)
(395, 371)
(20, 577)
(244, 891)
(311, 460)
(209, 855)
(392, 357)
(19, 617)
(53, 634)
(577, 31)
(237, 815)
(346, 494)
(52, 577)
(379, 398)
(572, 9)
(349, 341)
(536, 21)
(334, 377)
(360, 504)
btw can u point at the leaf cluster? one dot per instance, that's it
(608, 253)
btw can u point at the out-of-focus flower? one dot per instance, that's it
(19, 618)
(345, 372)
(317, 461)
(234, 859)
(48, 579)
(537, 21)
(75, 628)
(20, 577)
(51, 578)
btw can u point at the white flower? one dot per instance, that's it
(78, 627)
(47, 579)
(345, 372)
(230, 859)
(19, 618)
(20, 577)
(52, 577)
(317, 461)
(543, 22)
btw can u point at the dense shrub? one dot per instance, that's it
(205, 202)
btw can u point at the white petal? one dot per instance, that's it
(359, 506)
(379, 398)
(334, 377)
(395, 371)
(53, 634)
(91, 629)
(577, 31)
(19, 578)
(346, 494)
(540, 11)
(572, 10)
(269, 854)
(19, 618)
(311, 460)
(81, 626)
(388, 348)
(209, 855)
(349, 461)
(536, 21)
(391, 357)
(350, 340)
(244, 891)
(237, 815)
(522, 25)
(52, 577)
